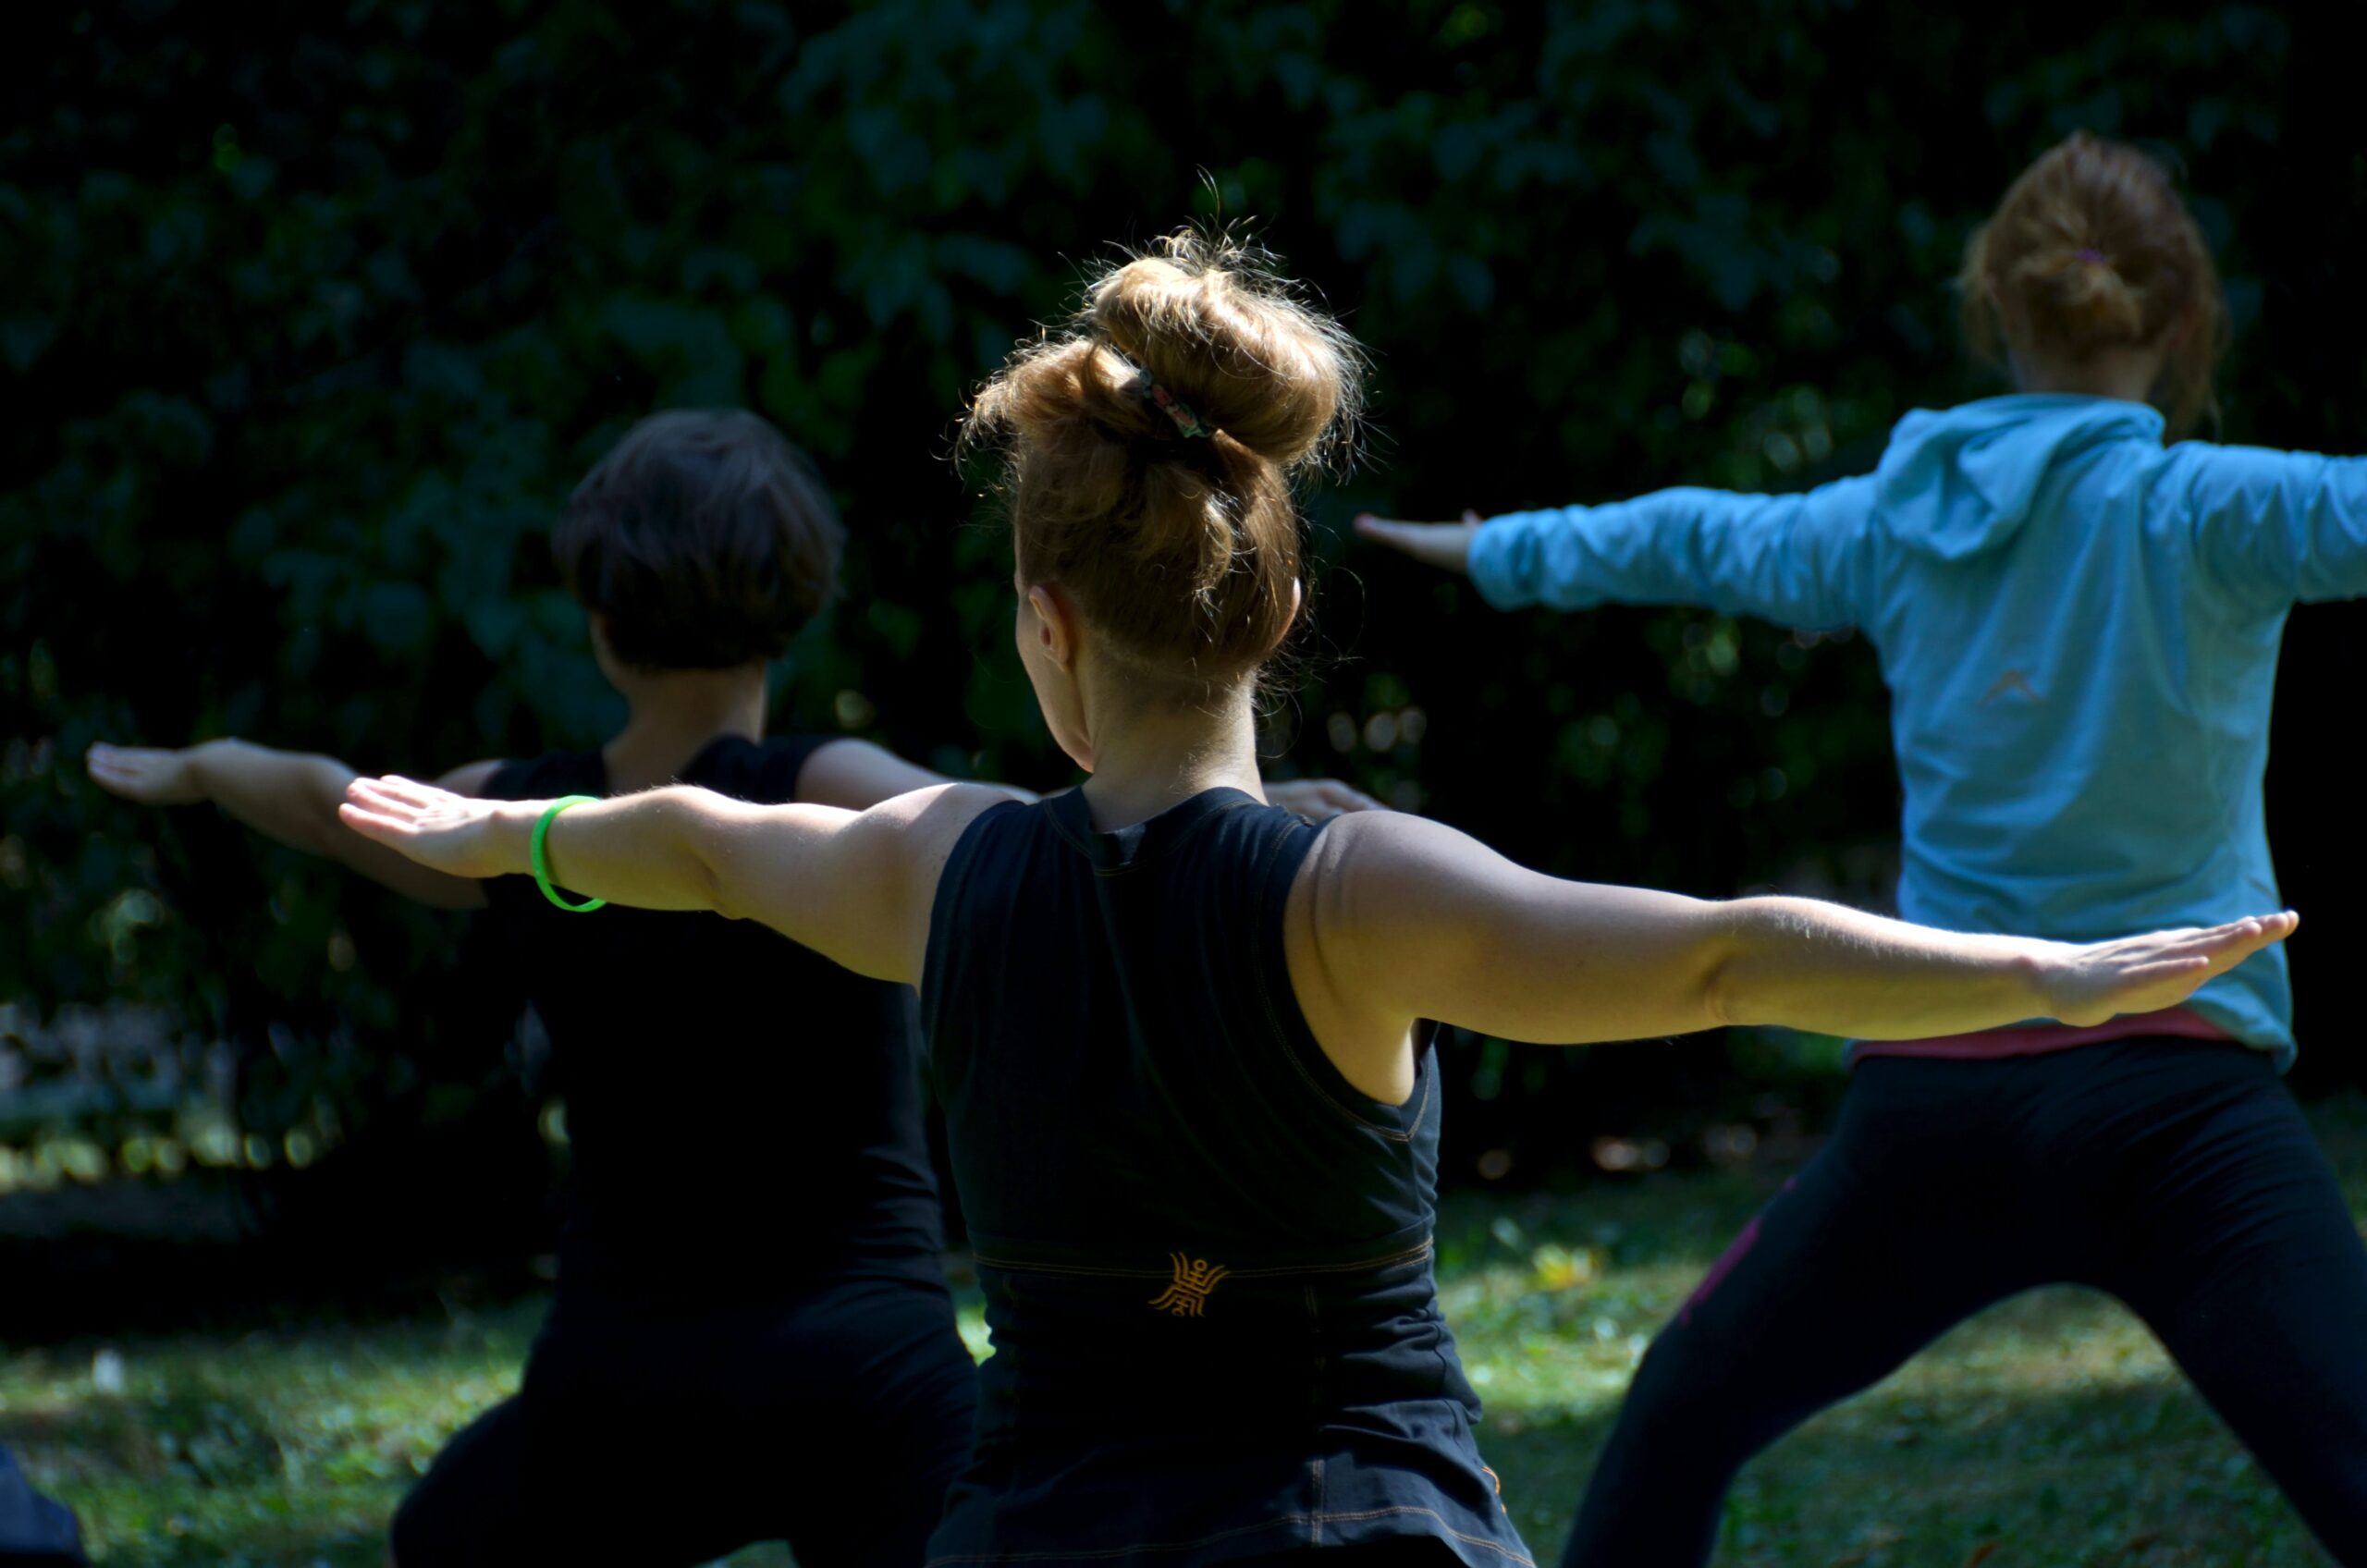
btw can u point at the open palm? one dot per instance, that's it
(151, 776)
(2161, 969)
(457, 834)
(1446, 545)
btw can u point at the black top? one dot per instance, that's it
(1204, 1255)
(744, 1115)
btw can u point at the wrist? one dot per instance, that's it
(513, 836)
(201, 763)
(2039, 972)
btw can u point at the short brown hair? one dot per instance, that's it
(1182, 550)
(705, 540)
(2091, 248)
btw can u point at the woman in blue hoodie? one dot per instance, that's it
(2079, 625)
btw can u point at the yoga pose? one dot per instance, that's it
(1191, 1104)
(2079, 626)
(751, 1338)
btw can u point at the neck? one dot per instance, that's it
(1154, 755)
(671, 715)
(2128, 372)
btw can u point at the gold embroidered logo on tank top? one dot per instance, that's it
(1188, 1293)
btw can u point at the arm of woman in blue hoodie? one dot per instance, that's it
(2280, 526)
(1802, 559)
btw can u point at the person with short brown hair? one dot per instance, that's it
(697, 1341)
(2077, 616)
(1191, 1101)
(703, 541)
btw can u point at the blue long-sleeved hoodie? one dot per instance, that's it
(2080, 630)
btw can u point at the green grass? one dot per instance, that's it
(2050, 1431)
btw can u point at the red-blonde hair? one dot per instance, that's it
(1182, 551)
(2092, 248)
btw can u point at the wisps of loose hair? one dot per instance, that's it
(1184, 552)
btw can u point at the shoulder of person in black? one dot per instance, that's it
(721, 1082)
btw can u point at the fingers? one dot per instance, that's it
(412, 790)
(137, 773)
(1320, 797)
(107, 765)
(2226, 946)
(372, 824)
(398, 800)
(1443, 544)
(1343, 797)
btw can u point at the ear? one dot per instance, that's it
(1059, 629)
(1298, 603)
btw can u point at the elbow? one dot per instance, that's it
(1719, 996)
(1722, 987)
(706, 847)
(712, 889)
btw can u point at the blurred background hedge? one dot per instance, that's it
(308, 321)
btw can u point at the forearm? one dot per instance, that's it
(1831, 970)
(283, 795)
(294, 798)
(1640, 551)
(674, 849)
(1787, 559)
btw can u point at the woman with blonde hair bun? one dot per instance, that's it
(1191, 1101)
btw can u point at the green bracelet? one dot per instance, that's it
(542, 868)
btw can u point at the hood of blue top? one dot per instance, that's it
(1957, 482)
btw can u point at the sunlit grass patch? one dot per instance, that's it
(2050, 1431)
(268, 1446)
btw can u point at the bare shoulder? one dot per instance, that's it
(469, 777)
(1388, 845)
(927, 822)
(1374, 868)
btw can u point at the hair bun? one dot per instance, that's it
(2083, 293)
(1183, 552)
(2092, 248)
(1210, 325)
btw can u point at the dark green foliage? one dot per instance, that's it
(308, 324)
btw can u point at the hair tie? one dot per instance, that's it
(2088, 253)
(1187, 423)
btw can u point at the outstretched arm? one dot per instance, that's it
(2279, 526)
(855, 886)
(1802, 559)
(1397, 918)
(283, 795)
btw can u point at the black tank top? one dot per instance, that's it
(744, 1115)
(1205, 1255)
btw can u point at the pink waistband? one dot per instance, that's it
(2037, 1039)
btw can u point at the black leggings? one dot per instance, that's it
(834, 1423)
(2177, 1175)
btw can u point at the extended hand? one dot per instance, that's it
(146, 774)
(1320, 798)
(2088, 985)
(460, 835)
(1446, 545)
